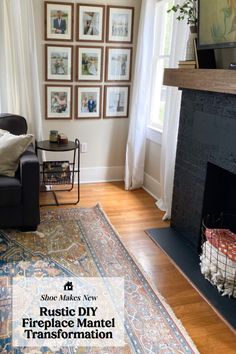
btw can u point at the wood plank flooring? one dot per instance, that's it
(133, 212)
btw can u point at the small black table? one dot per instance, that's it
(74, 146)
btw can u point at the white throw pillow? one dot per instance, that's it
(2, 132)
(11, 148)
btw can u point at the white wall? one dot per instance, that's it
(106, 138)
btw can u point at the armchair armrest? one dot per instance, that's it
(30, 180)
(28, 157)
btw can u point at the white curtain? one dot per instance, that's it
(171, 121)
(19, 84)
(141, 96)
(145, 68)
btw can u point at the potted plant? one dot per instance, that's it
(188, 11)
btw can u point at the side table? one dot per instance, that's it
(74, 146)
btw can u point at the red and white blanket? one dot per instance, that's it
(218, 260)
(224, 240)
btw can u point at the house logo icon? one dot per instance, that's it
(68, 286)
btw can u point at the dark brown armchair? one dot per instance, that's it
(19, 195)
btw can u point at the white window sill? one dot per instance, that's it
(154, 134)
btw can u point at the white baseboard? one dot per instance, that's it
(101, 174)
(152, 186)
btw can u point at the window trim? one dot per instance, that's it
(154, 134)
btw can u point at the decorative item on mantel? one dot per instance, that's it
(187, 64)
(188, 11)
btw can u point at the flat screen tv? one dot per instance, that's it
(216, 24)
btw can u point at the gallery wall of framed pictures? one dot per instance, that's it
(88, 74)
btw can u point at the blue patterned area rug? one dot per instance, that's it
(82, 242)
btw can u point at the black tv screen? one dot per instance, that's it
(205, 58)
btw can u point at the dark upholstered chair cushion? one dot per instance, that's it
(10, 191)
(14, 124)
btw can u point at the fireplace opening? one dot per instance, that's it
(218, 236)
(220, 198)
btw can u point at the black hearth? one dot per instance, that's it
(204, 183)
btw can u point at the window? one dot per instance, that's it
(162, 55)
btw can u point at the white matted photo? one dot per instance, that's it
(120, 24)
(59, 62)
(90, 23)
(88, 101)
(89, 63)
(59, 21)
(118, 64)
(58, 102)
(116, 101)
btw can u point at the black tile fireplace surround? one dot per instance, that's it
(206, 146)
(204, 182)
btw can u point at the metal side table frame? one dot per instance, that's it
(46, 145)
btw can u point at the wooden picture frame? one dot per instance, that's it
(216, 24)
(116, 101)
(58, 101)
(88, 102)
(58, 62)
(89, 63)
(90, 23)
(120, 21)
(118, 64)
(59, 21)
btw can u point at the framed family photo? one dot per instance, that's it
(120, 24)
(59, 21)
(116, 101)
(58, 100)
(118, 64)
(89, 63)
(59, 62)
(90, 22)
(88, 101)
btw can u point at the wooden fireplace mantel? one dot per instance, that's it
(214, 80)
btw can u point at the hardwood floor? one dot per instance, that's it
(133, 212)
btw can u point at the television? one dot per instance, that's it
(216, 24)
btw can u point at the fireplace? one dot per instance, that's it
(204, 182)
(205, 172)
